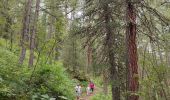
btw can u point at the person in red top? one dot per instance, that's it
(91, 85)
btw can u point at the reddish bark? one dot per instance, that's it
(132, 52)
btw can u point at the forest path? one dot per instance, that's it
(96, 91)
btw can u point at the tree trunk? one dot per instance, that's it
(132, 57)
(51, 20)
(11, 41)
(89, 57)
(25, 30)
(51, 31)
(105, 81)
(160, 55)
(32, 40)
(110, 42)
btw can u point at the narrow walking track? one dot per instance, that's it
(96, 91)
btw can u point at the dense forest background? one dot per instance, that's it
(49, 46)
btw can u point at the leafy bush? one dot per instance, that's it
(12, 77)
(52, 80)
(48, 81)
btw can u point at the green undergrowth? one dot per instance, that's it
(48, 81)
(101, 96)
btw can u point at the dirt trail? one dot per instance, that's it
(96, 91)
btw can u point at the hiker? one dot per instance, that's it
(78, 91)
(88, 90)
(91, 85)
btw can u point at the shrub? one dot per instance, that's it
(12, 77)
(53, 81)
(48, 81)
